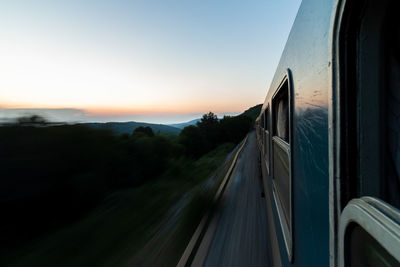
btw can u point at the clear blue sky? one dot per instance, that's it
(160, 61)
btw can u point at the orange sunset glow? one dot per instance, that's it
(120, 65)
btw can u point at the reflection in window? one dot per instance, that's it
(282, 114)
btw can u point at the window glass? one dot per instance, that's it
(365, 251)
(267, 141)
(266, 113)
(282, 177)
(262, 121)
(392, 95)
(280, 154)
(282, 113)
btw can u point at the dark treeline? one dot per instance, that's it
(210, 132)
(51, 175)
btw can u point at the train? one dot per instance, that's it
(328, 135)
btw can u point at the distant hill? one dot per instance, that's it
(129, 127)
(184, 124)
(252, 112)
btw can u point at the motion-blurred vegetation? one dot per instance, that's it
(54, 176)
(211, 132)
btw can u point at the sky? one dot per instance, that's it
(159, 61)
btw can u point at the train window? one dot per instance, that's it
(266, 118)
(367, 150)
(364, 250)
(262, 132)
(281, 158)
(262, 121)
(267, 137)
(369, 234)
(370, 99)
(282, 113)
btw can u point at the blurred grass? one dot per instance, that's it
(125, 221)
(167, 248)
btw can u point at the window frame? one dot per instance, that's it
(286, 225)
(377, 218)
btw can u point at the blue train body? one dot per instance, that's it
(320, 158)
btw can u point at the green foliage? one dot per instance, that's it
(211, 132)
(210, 128)
(253, 112)
(129, 127)
(209, 119)
(123, 222)
(169, 136)
(193, 141)
(147, 131)
(234, 129)
(53, 175)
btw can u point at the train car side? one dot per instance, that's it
(310, 129)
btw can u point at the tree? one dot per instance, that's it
(193, 141)
(234, 129)
(147, 131)
(210, 129)
(32, 120)
(208, 119)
